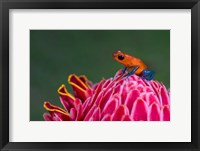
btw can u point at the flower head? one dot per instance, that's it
(116, 99)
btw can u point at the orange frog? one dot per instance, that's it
(134, 64)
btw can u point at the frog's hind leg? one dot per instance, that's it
(148, 74)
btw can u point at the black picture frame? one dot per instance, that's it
(5, 5)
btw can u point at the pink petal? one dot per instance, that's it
(164, 96)
(80, 93)
(141, 82)
(147, 89)
(154, 87)
(99, 98)
(130, 99)
(96, 115)
(73, 113)
(57, 112)
(134, 77)
(154, 113)
(165, 113)
(151, 98)
(118, 73)
(119, 113)
(56, 119)
(77, 103)
(90, 113)
(79, 88)
(140, 87)
(117, 97)
(105, 98)
(126, 118)
(73, 79)
(66, 98)
(61, 116)
(123, 95)
(47, 117)
(110, 107)
(121, 81)
(96, 93)
(107, 117)
(88, 93)
(86, 106)
(132, 83)
(117, 89)
(106, 83)
(155, 84)
(139, 111)
(109, 86)
(79, 108)
(85, 80)
(67, 105)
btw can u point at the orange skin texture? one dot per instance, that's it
(130, 62)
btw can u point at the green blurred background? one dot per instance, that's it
(55, 54)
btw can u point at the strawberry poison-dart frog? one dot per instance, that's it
(134, 64)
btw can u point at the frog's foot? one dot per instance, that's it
(148, 74)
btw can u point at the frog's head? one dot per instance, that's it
(119, 56)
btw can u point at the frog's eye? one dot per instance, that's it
(120, 57)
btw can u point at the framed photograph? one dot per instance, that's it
(99, 75)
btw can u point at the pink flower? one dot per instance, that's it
(116, 99)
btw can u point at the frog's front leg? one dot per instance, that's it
(124, 69)
(132, 71)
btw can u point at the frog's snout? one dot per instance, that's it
(114, 55)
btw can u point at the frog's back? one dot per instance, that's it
(138, 62)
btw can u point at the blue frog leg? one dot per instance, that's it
(124, 69)
(132, 71)
(148, 74)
